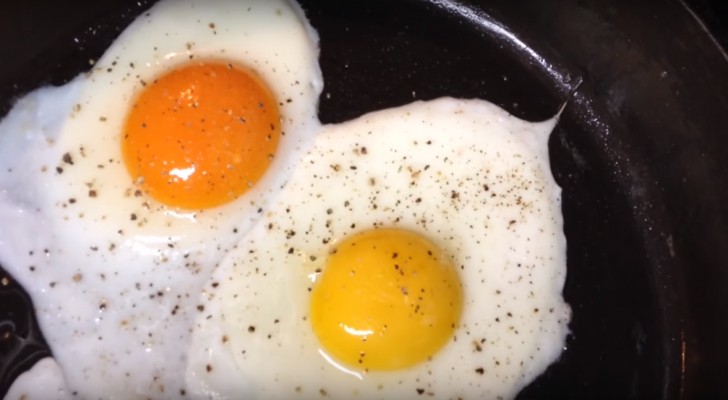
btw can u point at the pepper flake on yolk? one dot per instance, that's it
(387, 299)
(201, 135)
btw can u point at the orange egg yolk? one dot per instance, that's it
(201, 135)
(386, 300)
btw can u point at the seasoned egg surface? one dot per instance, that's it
(122, 190)
(415, 251)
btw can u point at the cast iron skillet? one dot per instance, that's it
(638, 151)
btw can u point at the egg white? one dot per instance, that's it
(115, 276)
(464, 174)
(43, 381)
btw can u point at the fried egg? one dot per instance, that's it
(416, 251)
(121, 190)
(43, 381)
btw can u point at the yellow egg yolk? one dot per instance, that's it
(201, 135)
(386, 300)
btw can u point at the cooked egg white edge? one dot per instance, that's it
(255, 290)
(49, 120)
(42, 382)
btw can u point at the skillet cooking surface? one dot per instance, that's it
(638, 152)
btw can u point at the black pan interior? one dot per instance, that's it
(638, 152)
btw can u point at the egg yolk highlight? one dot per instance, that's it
(201, 135)
(386, 300)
